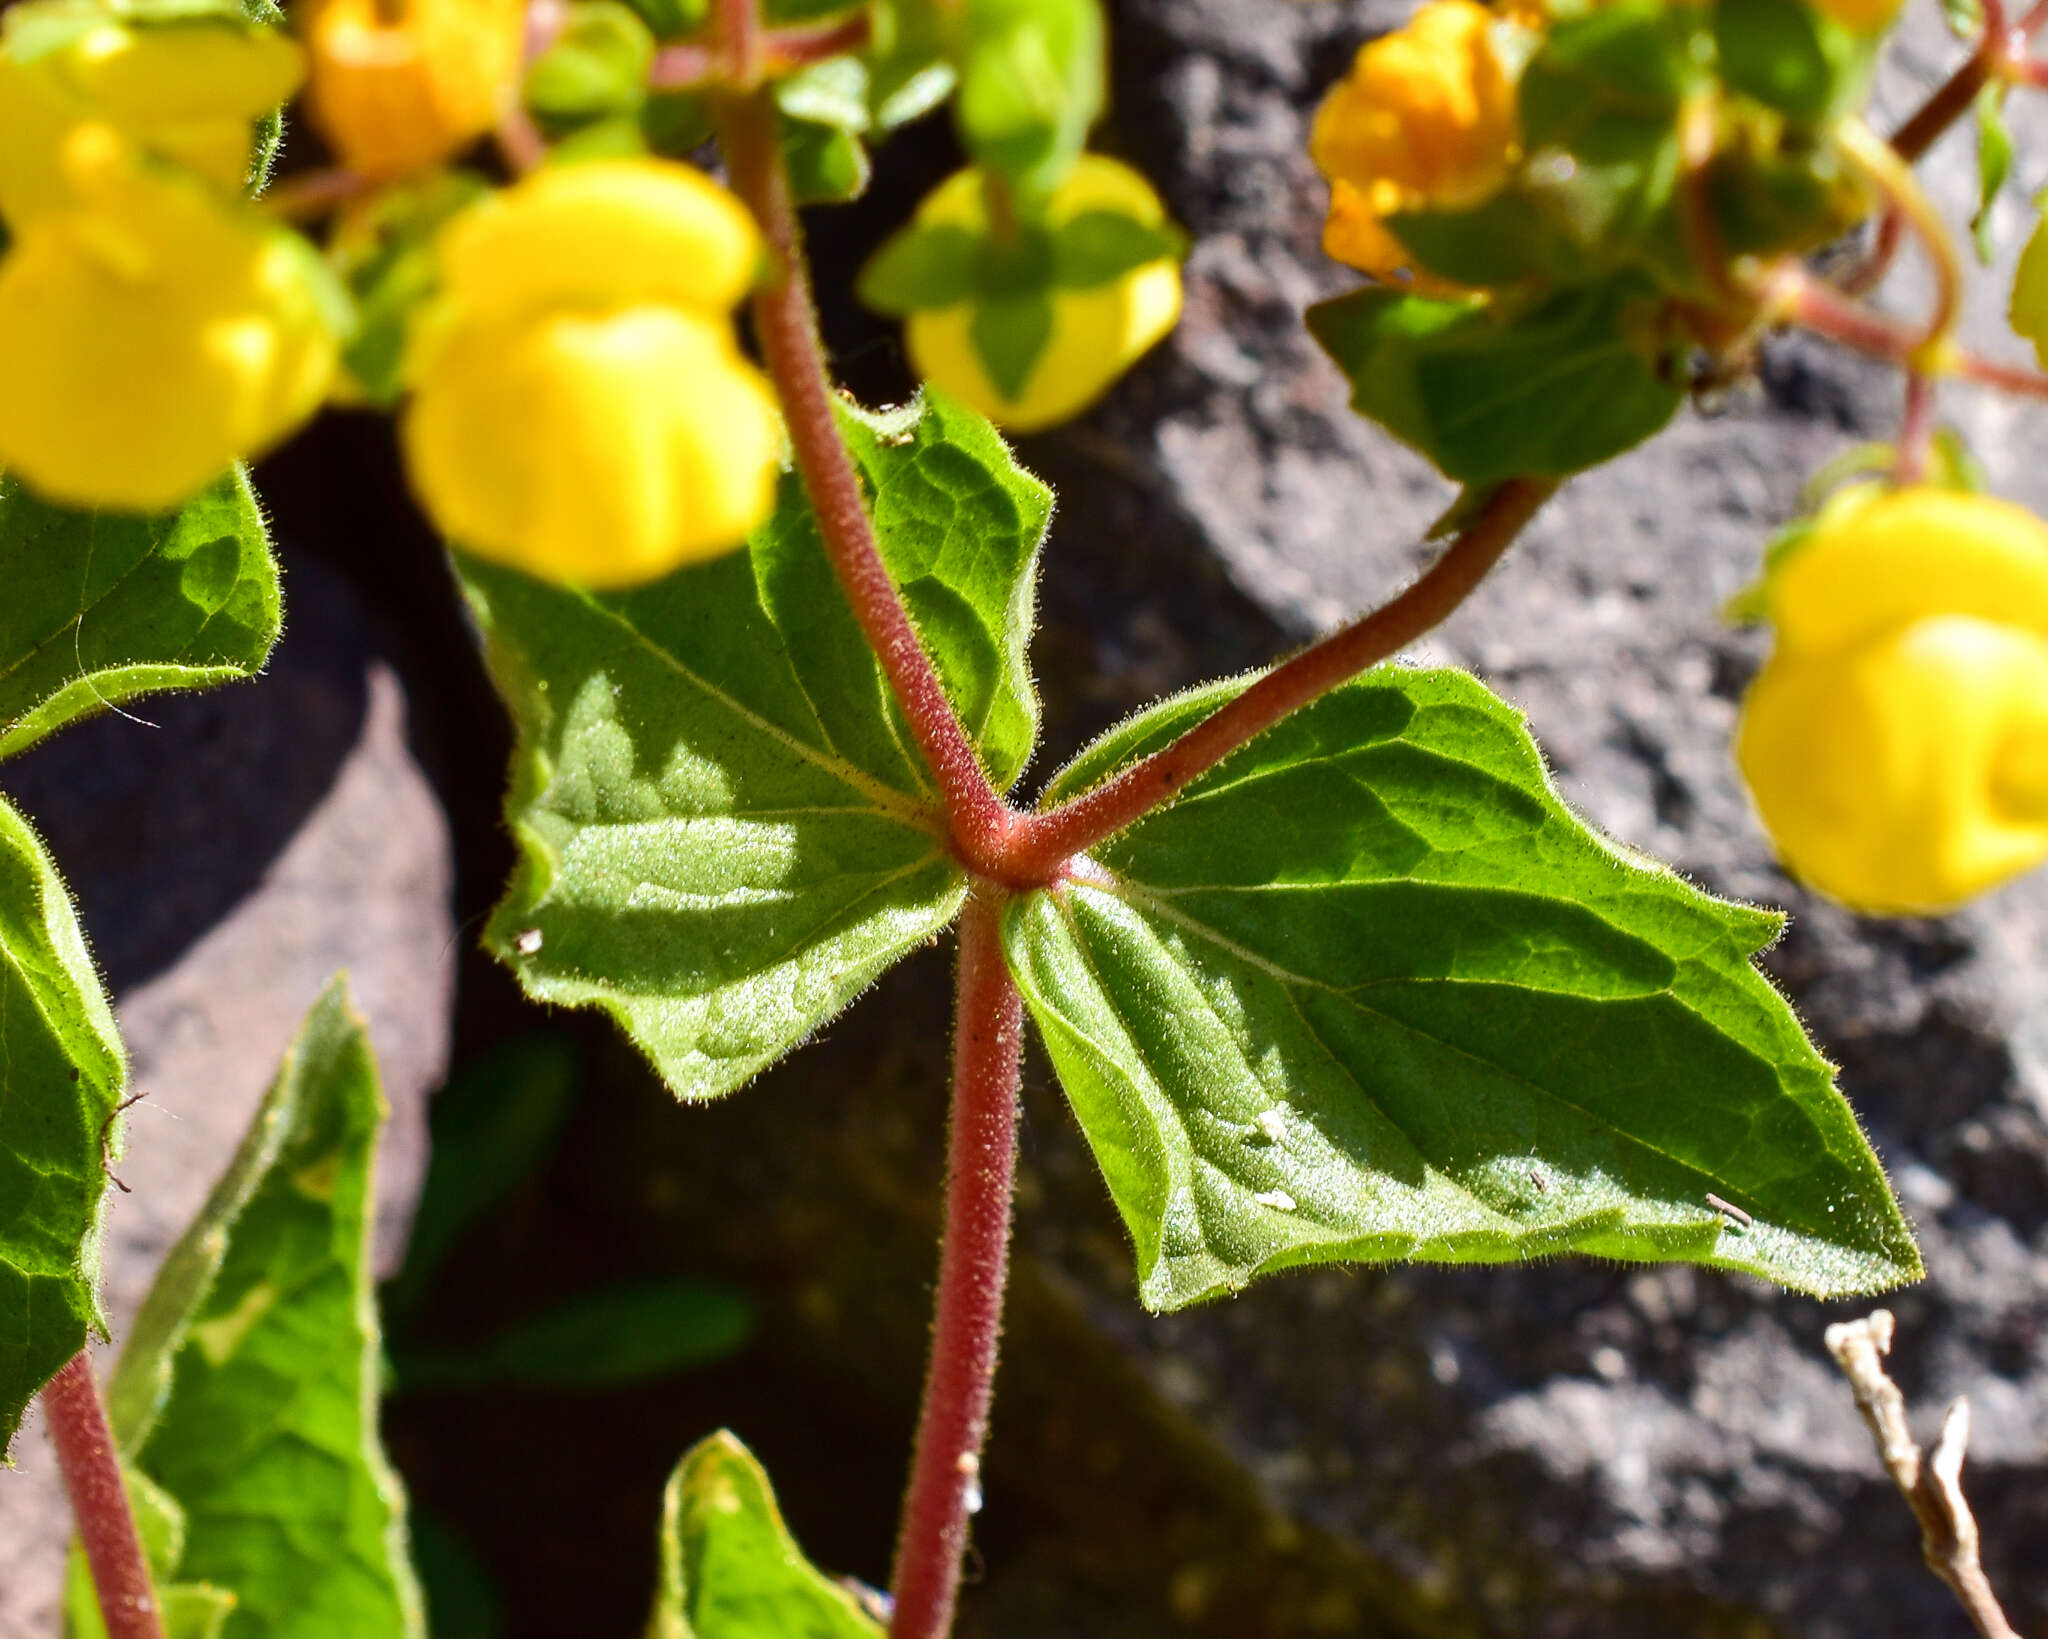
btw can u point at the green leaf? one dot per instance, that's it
(725, 830)
(384, 254)
(909, 68)
(268, 1436)
(1010, 333)
(488, 1130)
(1098, 247)
(1994, 164)
(1791, 56)
(827, 166)
(1600, 104)
(1031, 85)
(105, 606)
(1498, 243)
(1965, 18)
(921, 267)
(1494, 390)
(1369, 992)
(672, 19)
(824, 116)
(623, 1334)
(597, 65)
(729, 1567)
(60, 1087)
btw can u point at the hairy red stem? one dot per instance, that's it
(91, 1465)
(786, 320)
(1043, 842)
(974, 1257)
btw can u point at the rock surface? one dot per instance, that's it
(228, 854)
(1574, 1450)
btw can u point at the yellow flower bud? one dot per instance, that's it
(1897, 740)
(400, 85)
(188, 92)
(580, 410)
(1097, 332)
(152, 334)
(1424, 121)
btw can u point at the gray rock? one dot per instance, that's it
(1577, 1450)
(228, 852)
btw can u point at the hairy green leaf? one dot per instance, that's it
(1500, 389)
(725, 829)
(621, 1334)
(729, 1568)
(60, 1087)
(1368, 991)
(104, 606)
(267, 1438)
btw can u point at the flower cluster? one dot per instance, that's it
(574, 399)
(153, 326)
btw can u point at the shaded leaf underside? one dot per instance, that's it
(103, 607)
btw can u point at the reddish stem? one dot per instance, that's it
(1824, 310)
(1044, 842)
(1916, 430)
(787, 323)
(988, 1034)
(91, 1466)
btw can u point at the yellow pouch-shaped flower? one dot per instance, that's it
(1097, 332)
(1896, 742)
(580, 410)
(604, 233)
(597, 449)
(1425, 120)
(188, 92)
(153, 334)
(399, 89)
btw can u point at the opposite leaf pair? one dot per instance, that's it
(1367, 992)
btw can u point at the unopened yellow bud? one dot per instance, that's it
(580, 410)
(1425, 120)
(1897, 740)
(400, 85)
(188, 92)
(152, 334)
(1098, 332)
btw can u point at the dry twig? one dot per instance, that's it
(1934, 1487)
